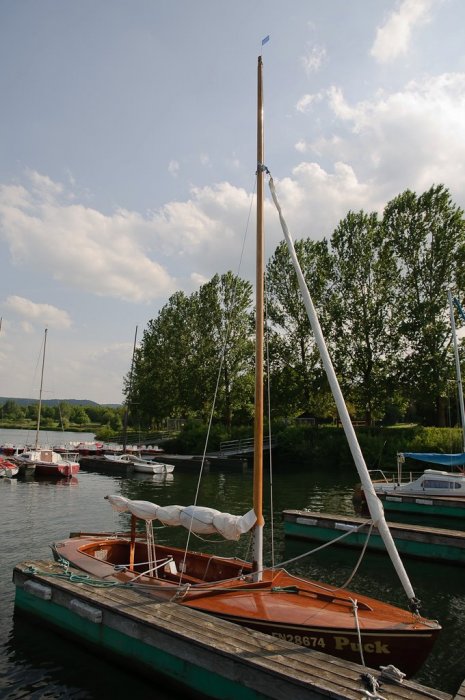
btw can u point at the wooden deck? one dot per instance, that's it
(203, 655)
(414, 540)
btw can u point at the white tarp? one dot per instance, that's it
(198, 519)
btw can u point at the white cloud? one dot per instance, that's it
(306, 101)
(173, 168)
(79, 246)
(313, 59)
(394, 37)
(412, 138)
(45, 314)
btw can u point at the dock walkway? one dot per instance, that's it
(197, 652)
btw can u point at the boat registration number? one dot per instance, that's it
(311, 642)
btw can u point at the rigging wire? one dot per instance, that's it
(220, 369)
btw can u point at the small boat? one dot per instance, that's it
(432, 482)
(311, 613)
(144, 466)
(45, 461)
(8, 469)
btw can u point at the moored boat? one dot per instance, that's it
(8, 469)
(144, 466)
(46, 462)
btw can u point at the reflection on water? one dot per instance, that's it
(154, 478)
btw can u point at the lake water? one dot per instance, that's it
(37, 663)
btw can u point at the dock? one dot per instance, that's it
(181, 462)
(199, 654)
(413, 540)
(426, 506)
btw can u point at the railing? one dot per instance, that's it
(243, 446)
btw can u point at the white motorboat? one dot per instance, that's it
(145, 466)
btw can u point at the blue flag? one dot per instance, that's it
(265, 40)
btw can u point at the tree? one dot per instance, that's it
(363, 332)
(78, 415)
(176, 366)
(224, 329)
(297, 381)
(427, 233)
(162, 364)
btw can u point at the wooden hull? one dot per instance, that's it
(302, 611)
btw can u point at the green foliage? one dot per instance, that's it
(427, 233)
(363, 331)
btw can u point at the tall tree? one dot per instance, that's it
(176, 366)
(224, 328)
(428, 236)
(363, 332)
(296, 379)
(162, 364)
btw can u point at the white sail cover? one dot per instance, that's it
(118, 503)
(198, 519)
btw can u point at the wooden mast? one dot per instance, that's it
(40, 391)
(257, 564)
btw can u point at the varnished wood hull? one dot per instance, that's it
(305, 612)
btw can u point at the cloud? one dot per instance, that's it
(306, 102)
(79, 246)
(173, 168)
(123, 255)
(393, 38)
(411, 138)
(313, 59)
(45, 314)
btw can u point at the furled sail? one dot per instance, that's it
(198, 519)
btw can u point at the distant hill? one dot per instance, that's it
(55, 402)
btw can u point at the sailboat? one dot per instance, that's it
(433, 481)
(44, 461)
(269, 599)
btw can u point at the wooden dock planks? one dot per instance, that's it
(204, 654)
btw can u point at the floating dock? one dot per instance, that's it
(429, 506)
(188, 462)
(413, 540)
(201, 655)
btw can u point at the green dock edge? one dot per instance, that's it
(134, 653)
(423, 550)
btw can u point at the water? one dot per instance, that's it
(37, 663)
(46, 437)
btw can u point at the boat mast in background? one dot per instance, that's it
(126, 412)
(40, 391)
(457, 367)
(257, 563)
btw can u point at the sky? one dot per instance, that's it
(128, 153)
